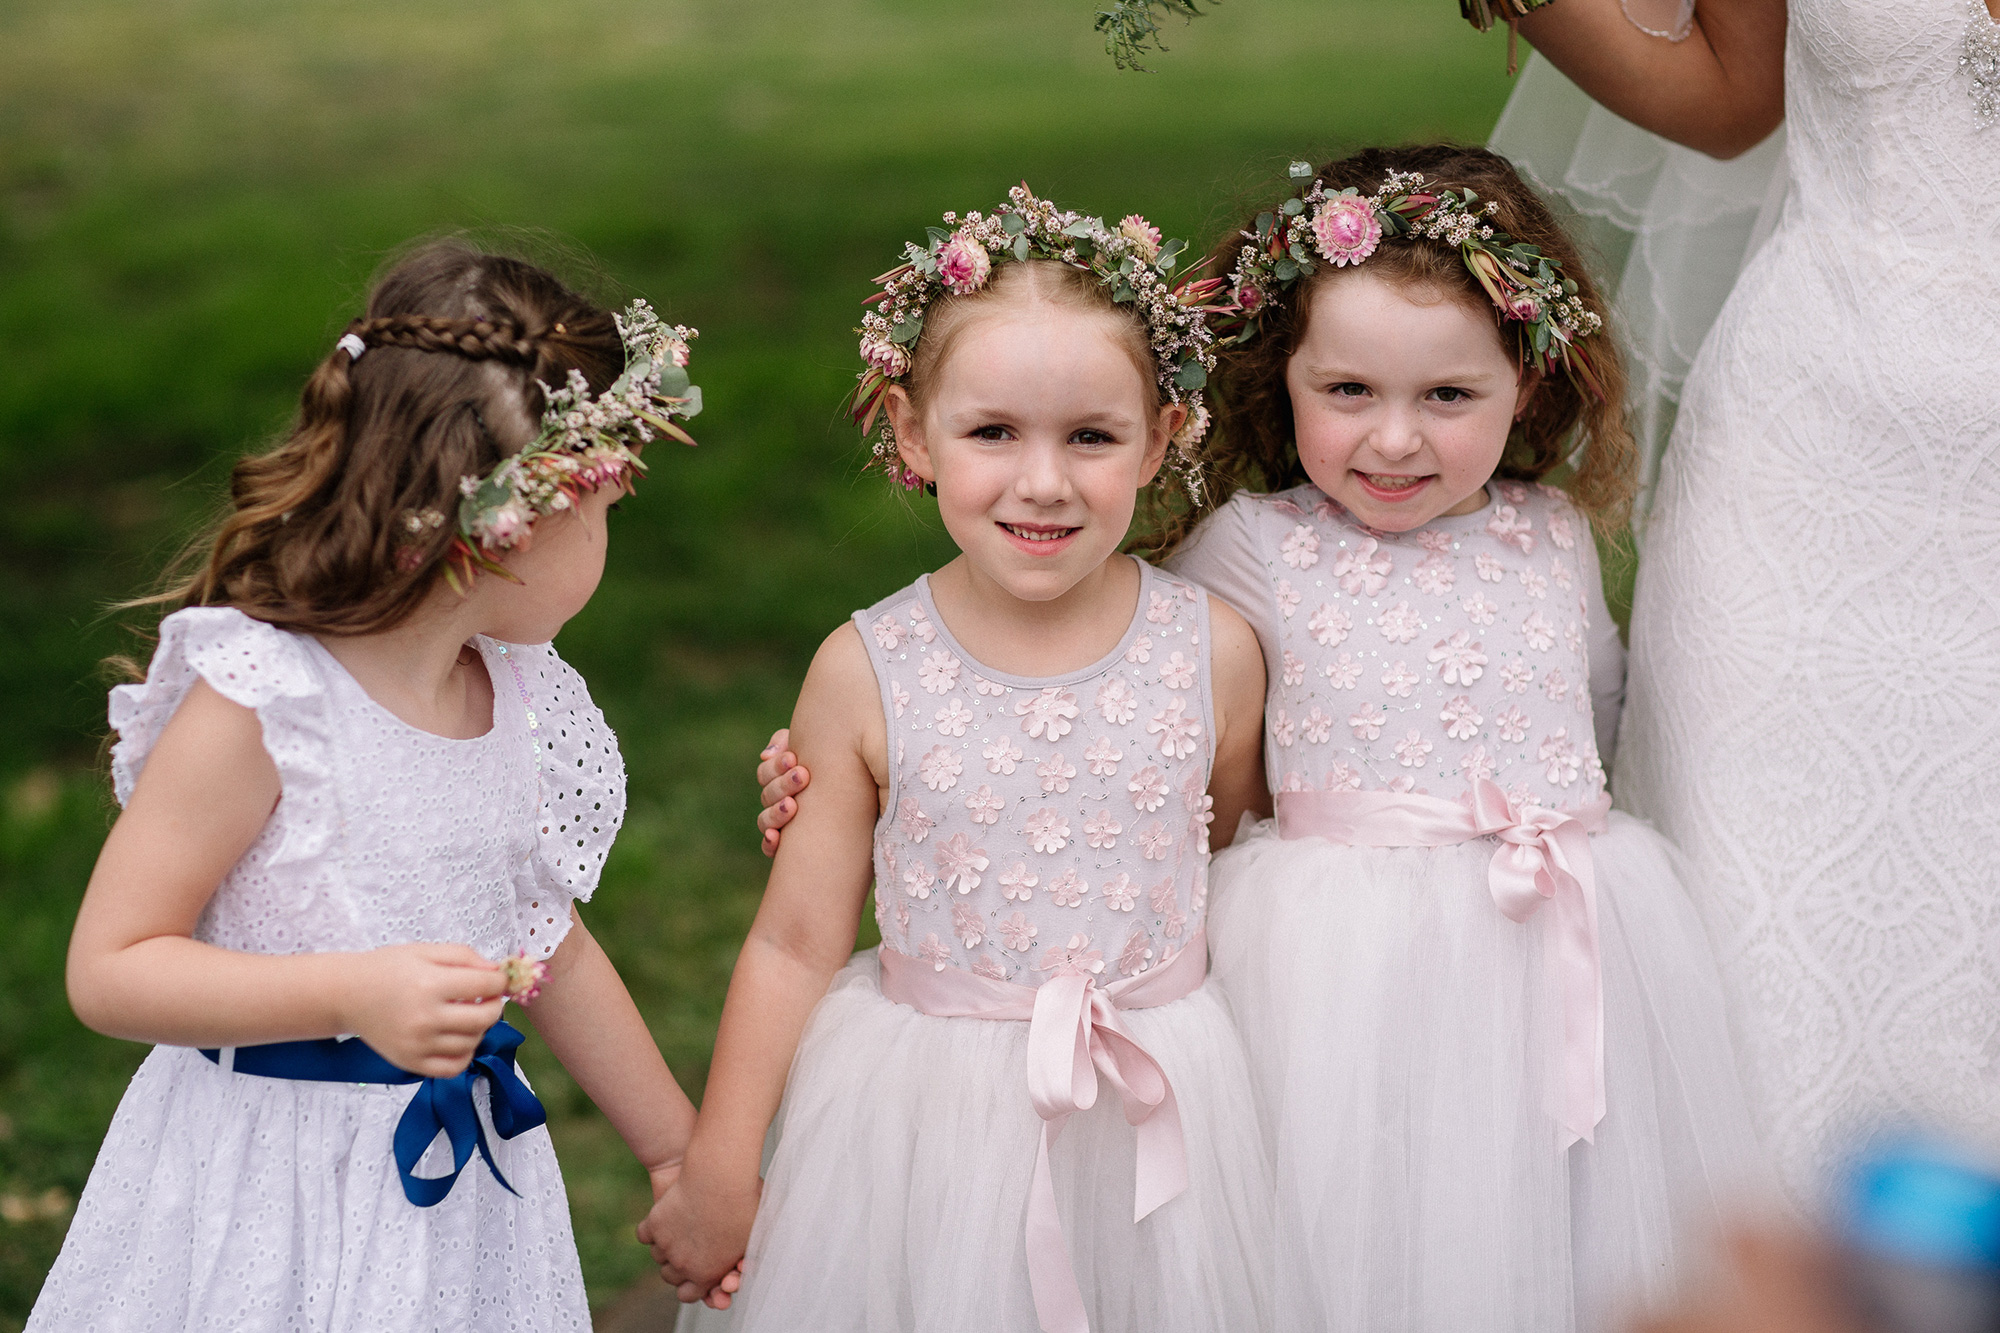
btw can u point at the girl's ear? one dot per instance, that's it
(1172, 417)
(1531, 380)
(907, 423)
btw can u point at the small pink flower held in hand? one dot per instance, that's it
(523, 977)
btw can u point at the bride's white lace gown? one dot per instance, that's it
(1814, 710)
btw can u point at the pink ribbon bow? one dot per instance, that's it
(1074, 1035)
(1543, 857)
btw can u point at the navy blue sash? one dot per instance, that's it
(441, 1106)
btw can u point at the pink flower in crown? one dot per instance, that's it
(1048, 831)
(1413, 749)
(1294, 669)
(940, 767)
(1055, 773)
(1284, 730)
(1148, 788)
(1161, 897)
(1524, 308)
(1346, 229)
(1137, 955)
(1249, 298)
(1001, 756)
(1177, 731)
(1317, 727)
(1458, 659)
(985, 805)
(1177, 673)
(1145, 237)
(1103, 757)
(1364, 568)
(1479, 610)
(1160, 611)
(1047, 713)
(1288, 598)
(918, 881)
(889, 632)
(1329, 625)
(1017, 885)
(963, 263)
(1461, 719)
(912, 821)
(1300, 550)
(1120, 893)
(885, 356)
(987, 966)
(959, 863)
(1018, 933)
(899, 696)
(1066, 889)
(1367, 722)
(1559, 753)
(1154, 840)
(1476, 764)
(1141, 650)
(935, 952)
(1344, 672)
(968, 925)
(1101, 830)
(952, 718)
(1513, 724)
(1075, 958)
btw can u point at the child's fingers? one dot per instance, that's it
(732, 1280)
(717, 1299)
(787, 781)
(456, 955)
(689, 1292)
(472, 983)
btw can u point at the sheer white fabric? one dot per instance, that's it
(229, 1201)
(1814, 696)
(1671, 19)
(1672, 228)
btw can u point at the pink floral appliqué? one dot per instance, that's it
(992, 689)
(1562, 532)
(1344, 672)
(1555, 686)
(1437, 543)
(1367, 722)
(1101, 830)
(1434, 575)
(1136, 956)
(1399, 680)
(1541, 635)
(1201, 813)
(1117, 701)
(1055, 773)
(1119, 893)
(1047, 831)
(1066, 889)
(1342, 778)
(935, 952)
(889, 632)
(912, 821)
(1329, 625)
(1001, 756)
(899, 696)
(1177, 673)
(1148, 788)
(1364, 569)
(1478, 610)
(1154, 840)
(1288, 598)
(1047, 713)
(1018, 933)
(1161, 897)
(1516, 676)
(1103, 757)
(1559, 753)
(1317, 726)
(987, 966)
(959, 863)
(1489, 568)
(1300, 550)
(968, 925)
(1294, 673)
(1017, 884)
(1461, 719)
(939, 672)
(1458, 659)
(1400, 623)
(1160, 609)
(1476, 764)
(1413, 749)
(985, 805)
(918, 881)
(1512, 724)
(1176, 730)
(921, 628)
(1076, 957)
(1283, 729)
(1141, 650)
(952, 718)
(940, 767)
(1536, 582)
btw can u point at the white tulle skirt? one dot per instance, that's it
(898, 1193)
(1401, 1033)
(224, 1201)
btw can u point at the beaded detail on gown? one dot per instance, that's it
(1814, 699)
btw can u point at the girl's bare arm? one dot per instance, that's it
(1237, 783)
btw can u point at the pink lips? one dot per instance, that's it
(1383, 496)
(1047, 546)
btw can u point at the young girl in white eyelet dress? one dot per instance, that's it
(1018, 750)
(330, 834)
(1483, 1019)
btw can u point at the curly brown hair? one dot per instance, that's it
(332, 531)
(1565, 436)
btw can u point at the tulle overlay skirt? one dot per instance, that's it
(1402, 1037)
(897, 1197)
(224, 1201)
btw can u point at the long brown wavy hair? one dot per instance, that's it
(1565, 436)
(343, 528)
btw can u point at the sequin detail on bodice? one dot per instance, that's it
(1419, 661)
(1034, 825)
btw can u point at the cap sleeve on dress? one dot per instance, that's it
(582, 777)
(262, 667)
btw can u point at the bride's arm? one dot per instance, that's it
(1721, 91)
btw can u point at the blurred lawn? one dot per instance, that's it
(193, 192)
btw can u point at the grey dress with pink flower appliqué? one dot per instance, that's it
(1402, 1031)
(1032, 825)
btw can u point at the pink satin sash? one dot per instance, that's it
(1544, 856)
(1074, 1034)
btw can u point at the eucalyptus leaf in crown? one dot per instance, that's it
(1341, 229)
(1129, 259)
(1130, 27)
(586, 441)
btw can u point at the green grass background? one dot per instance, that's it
(194, 192)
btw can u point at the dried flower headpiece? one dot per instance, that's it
(1128, 259)
(1526, 286)
(585, 442)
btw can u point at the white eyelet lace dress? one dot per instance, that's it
(1037, 832)
(228, 1201)
(1815, 682)
(1422, 1050)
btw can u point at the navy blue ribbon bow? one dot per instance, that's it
(441, 1106)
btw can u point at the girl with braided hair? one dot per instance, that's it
(362, 798)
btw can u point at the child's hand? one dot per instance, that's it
(663, 1178)
(781, 777)
(423, 1007)
(698, 1237)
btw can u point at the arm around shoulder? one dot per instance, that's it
(1236, 662)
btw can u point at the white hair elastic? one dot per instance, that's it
(352, 345)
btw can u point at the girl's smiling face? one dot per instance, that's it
(1038, 429)
(1401, 406)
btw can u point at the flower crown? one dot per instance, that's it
(1526, 286)
(1129, 260)
(585, 442)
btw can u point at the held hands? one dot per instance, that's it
(424, 1007)
(781, 777)
(718, 1297)
(698, 1234)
